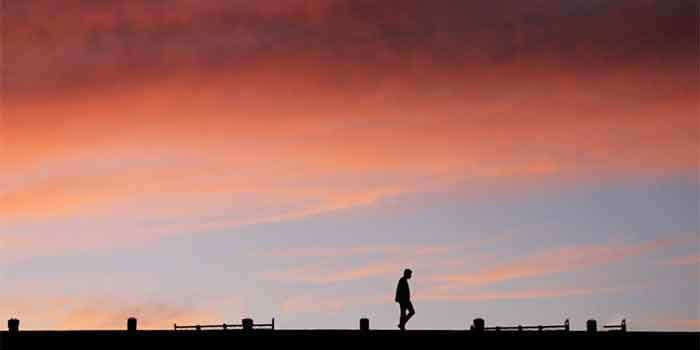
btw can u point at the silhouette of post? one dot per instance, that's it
(247, 324)
(131, 324)
(13, 325)
(364, 324)
(591, 326)
(623, 325)
(479, 325)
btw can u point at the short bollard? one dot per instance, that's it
(478, 325)
(247, 324)
(131, 324)
(591, 326)
(364, 324)
(13, 325)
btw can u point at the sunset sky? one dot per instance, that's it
(199, 161)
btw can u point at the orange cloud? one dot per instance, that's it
(103, 313)
(293, 133)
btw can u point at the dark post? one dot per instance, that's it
(591, 326)
(623, 325)
(364, 324)
(567, 326)
(478, 325)
(247, 324)
(131, 324)
(13, 325)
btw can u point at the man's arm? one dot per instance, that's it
(397, 298)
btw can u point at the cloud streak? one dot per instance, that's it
(102, 312)
(558, 260)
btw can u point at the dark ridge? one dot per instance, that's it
(327, 339)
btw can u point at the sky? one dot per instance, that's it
(189, 162)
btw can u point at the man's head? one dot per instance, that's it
(407, 273)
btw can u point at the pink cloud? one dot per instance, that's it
(315, 274)
(438, 294)
(556, 261)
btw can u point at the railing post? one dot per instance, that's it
(13, 325)
(623, 325)
(364, 324)
(247, 324)
(591, 326)
(131, 324)
(566, 325)
(479, 325)
(273, 323)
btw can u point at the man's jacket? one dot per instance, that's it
(403, 295)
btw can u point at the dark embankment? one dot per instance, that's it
(324, 339)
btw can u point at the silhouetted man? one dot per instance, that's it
(403, 297)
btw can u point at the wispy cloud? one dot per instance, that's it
(104, 312)
(440, 295)
(682, 260)
(316, 274)
(556, 261)
(672, 324)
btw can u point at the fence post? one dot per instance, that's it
(364, 324)
(566, 325)
(591, 326)
(479, 325)
(13, 325)
(131, 324)
(247, 324)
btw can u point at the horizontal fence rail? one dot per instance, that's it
(564, 327)
(620, 327)
(245, 324)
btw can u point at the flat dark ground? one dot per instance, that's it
(325, 339)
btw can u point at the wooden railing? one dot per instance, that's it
(622, 327)
(245, 324)
(563, 327)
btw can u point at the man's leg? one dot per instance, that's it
(402, 316)
(411, 312)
